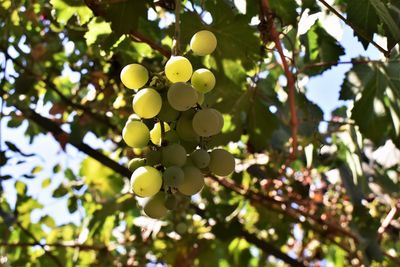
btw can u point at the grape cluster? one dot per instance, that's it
(171, 121)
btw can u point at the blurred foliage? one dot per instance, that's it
(337, 203)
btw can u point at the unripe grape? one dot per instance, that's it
(222, 163)
(178, 69)
(200, 158)
(136, 134)
(155, 133)
(220, 120)
(184, 128)
(193, 181)
(136, 163)
(170, 202)
(134, 76)
(173, 176)
(167, 112)
(147, 103)
(171, 137)
(205, 122)
(173, 155)
(182, 96)
(146, 181)
(154, 207)
(203, 43)
(203, 80)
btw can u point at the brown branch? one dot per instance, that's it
(268, 18)
(326, 228)
(56, 130)
(177, 35)
(139, 37)
(360, 32)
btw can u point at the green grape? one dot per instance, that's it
(167, 113)
(146, 181)
(222, 163)
(203, 43)
(171, 137)
(147, 103)
(178, 69)
(155, 133)
(136, 134)
(134, 76)
(203, 80)
(182, 96)
(136, 163)
(173, 154)
(185, 130)
(170, 202)
(193, 181)
(173, 176)
(154, 206)
(153, 157)
(200, 158)
(220, 120)
(189, 146)
(205, 122)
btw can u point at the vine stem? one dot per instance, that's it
(357, 30)
(177, 35)
(267, 16)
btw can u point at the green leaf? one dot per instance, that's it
(65, 9)
(285, 10)
(60, 191)
(390, 22)
(375, 89)
(98, 30)
(36, 169)
(124, 15)
(320, 47)
(362, 15)
(100, 177)
(46, 182)
(21, 188)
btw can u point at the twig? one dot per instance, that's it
(56, 260)
(353, 62)
(357, 30)
(139, 37)
(267, 16)
(176, 42)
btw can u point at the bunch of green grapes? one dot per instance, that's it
(173, 125)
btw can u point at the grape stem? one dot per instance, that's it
(267, 18)
(176, 41)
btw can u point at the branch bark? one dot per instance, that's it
(139, 37)
(267, 18)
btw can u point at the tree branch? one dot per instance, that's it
(139, 37)
(56, 260)
(357, 30)
(267, 18)
(56, 130)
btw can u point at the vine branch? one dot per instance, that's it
(357, 30)
(139, 37)
(176, 42)
(267, 18)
